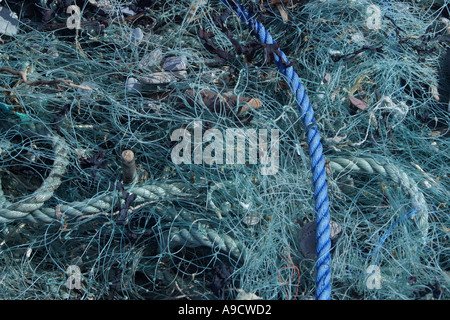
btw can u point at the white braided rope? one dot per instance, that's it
(11, 211)
(370, 165)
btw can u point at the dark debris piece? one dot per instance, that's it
(206, 36)
(144, 3)
(95, 162)
(116, 283)
(274, 49)
(435, 289)
(221, 279)
(412, 280)
(129, 198)
(249, 50)
(59, 116)
(51, 8)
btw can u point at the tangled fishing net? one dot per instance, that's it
(131, 73)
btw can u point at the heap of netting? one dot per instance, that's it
(224, 231)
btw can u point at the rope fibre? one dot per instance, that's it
(323, 276)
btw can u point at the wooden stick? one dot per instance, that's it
(128, 167)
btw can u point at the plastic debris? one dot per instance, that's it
(243, 295)
(133, 85)
(174, 64)
(151, 59)
(252, 218)
(137, 36)
(127, 11)
(162, 77)
(9, 23)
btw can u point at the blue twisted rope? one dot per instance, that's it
(323, 274)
